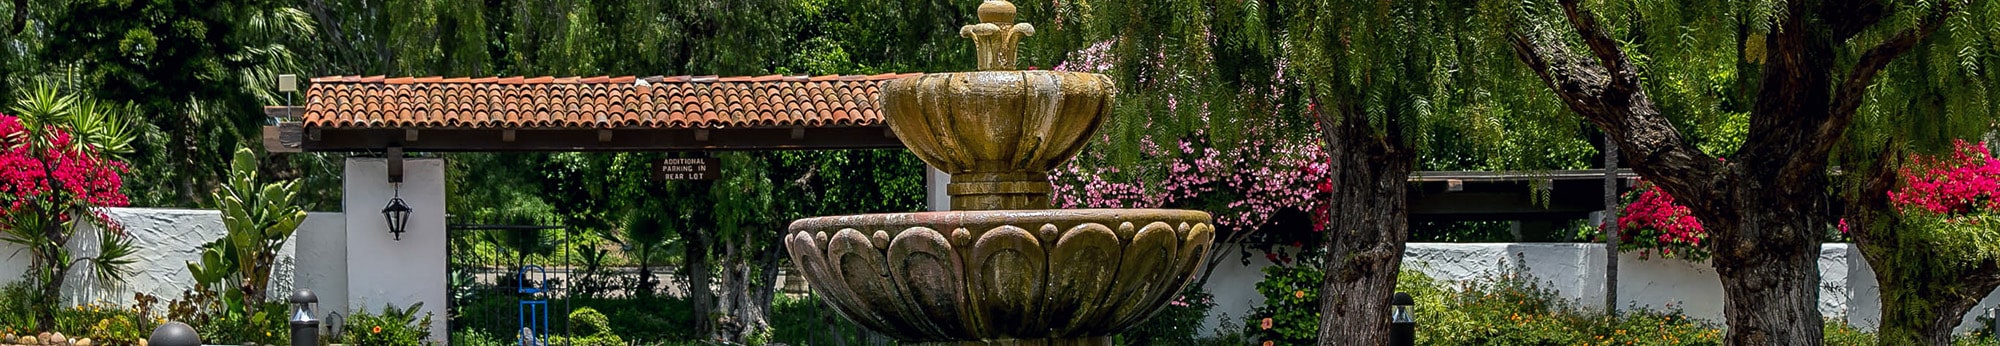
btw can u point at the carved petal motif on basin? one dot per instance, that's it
(1001, 274)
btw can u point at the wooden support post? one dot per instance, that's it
(394, 156)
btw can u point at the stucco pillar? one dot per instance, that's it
(381, 270)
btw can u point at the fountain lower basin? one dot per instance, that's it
(1018, 277)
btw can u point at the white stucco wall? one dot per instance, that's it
(381, 270)
(321, 248)
(167, 239)
(1576, 272)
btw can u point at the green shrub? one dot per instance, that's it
(263, 323)
(474, 338)
(103, 323)
(1500, 310)
(489, 313)
(1290, 314)
(1178, 323)
(1511, 309)
(14, 307)
(593, 340)
(654, 319)
(586, 321)
(1227, 333)
(1969, 340)
(1841, 334)
(805, 321)
(391, 326)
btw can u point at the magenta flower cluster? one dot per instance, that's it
(1251, 181)
(54, 175)
(1652, 221)
(1965, 182)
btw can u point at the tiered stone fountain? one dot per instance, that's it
(1003, 268)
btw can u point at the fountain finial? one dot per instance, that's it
(997, 36)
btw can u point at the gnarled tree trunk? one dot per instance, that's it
(701, 298)
(1770, 274)
(1764, 208)
(766, 286)
(1921, 301)
(730, 325)
(1368, 225)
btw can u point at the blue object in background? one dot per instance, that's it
(534, 309)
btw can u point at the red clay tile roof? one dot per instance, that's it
(594, 102)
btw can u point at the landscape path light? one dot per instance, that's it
(305, 327)
(1402, 320)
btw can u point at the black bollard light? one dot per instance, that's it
(305, 328)
(1402, 320)
(174, 334)
(1993, 327)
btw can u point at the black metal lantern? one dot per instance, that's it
(398, 215)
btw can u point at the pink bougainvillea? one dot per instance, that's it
(1965, 182)
(1254, 180)
(54, 176)
(1247, 183)
(1651, 221)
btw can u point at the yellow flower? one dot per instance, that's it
(1301, 294)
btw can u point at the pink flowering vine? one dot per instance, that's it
(1652, 221)
(1965, 182)
(1247, 183)
(1253, 181)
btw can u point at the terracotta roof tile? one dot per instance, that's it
(594, 102)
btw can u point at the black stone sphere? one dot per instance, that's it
(174, 334)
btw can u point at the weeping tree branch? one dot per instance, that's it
(1623, 78)
(1872, 199)
(1609, 95)
(1853, 88)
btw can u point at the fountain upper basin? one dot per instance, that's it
(998, 133)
